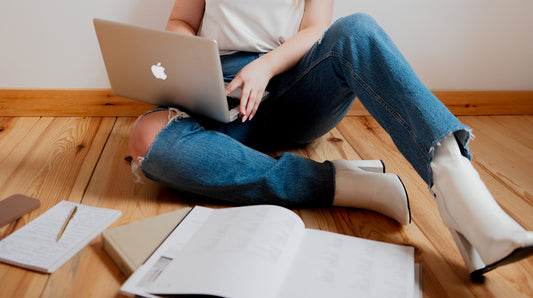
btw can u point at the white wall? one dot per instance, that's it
(451, 44)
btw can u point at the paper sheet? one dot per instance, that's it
(341, 266)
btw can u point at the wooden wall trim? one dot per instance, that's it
(67, 102)
(476, 103)
(102, 102)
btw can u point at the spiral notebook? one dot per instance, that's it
(35, 246)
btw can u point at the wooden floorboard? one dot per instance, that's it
(85, 159)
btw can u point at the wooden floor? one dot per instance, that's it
(86, 160)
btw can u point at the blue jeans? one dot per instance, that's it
(353, 58)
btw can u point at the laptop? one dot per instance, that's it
(166, 69)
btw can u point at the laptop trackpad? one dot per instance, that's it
(237, 93)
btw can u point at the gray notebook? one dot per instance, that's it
(131, 244)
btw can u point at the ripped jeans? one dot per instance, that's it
(354, 58)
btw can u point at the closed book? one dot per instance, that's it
(131, 244)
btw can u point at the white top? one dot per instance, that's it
(250, 25)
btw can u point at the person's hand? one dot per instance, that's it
(252, 79)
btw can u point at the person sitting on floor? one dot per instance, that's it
(313, 71)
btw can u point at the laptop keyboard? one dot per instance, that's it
(233, 102)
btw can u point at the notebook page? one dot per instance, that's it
(34, 246)
(238, 252)
(334, 265)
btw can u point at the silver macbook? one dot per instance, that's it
(166, 69)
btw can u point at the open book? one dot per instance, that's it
(265, 251)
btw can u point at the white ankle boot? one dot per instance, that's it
(486, 236)
(372, 190)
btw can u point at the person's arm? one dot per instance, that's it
(186, 16)
(254, 77)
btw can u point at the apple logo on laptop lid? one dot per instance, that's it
(159, 71)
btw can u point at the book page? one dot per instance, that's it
(334, 265)
(34, 246)
(238, 252)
